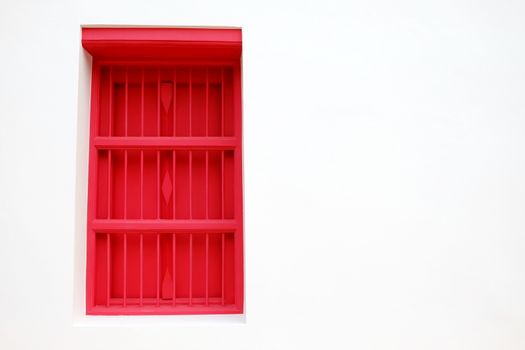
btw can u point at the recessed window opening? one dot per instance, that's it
(164, 227)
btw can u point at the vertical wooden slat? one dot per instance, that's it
(158, 269)
(222, 134)
(108, 267)
(126, 102)
(174, 270)
(125, 184)
(190, 97)
(222, 184)
(141, 293)
(158, 152)
(174, 156)
(158, 101)
(141, 253)
(207, 97)
(206, 185)
(207, 133)
(109, 183)
(125, 269)
(206, 268)
(191, 268)
(222, 267)
(158, 185)
(125, 151)
(222, 102)
(110, 114)
(142, 184)
(142, 104)
(174, 162)
(191, 181)
(174, 101)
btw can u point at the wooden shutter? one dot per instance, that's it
(165, 214)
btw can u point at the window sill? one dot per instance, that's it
(160, 321)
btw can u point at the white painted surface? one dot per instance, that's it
(384, 175)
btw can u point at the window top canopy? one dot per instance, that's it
(162, 43)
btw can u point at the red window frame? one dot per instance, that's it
(172, 262)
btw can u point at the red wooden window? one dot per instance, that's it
(165, 221)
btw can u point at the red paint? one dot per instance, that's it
(165, 213)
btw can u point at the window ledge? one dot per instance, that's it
(162, 321)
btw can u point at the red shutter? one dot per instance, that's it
(165, 220)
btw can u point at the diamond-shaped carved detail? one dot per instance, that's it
(166, 95)
(167, 187)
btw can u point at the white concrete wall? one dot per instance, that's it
(384, 175)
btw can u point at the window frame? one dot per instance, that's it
(173, 46)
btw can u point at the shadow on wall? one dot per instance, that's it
(79, 249)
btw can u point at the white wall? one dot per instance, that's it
(384, 174)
